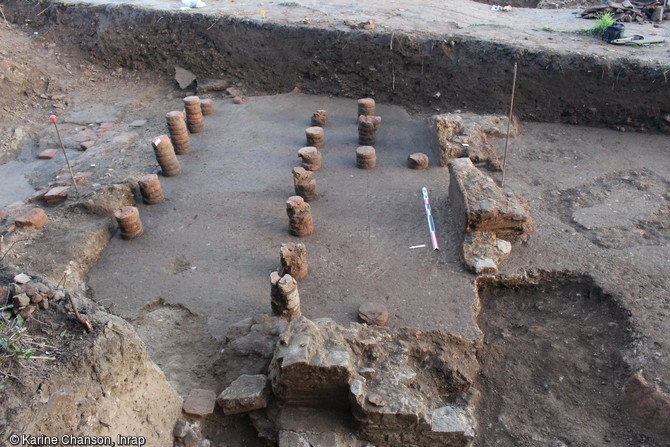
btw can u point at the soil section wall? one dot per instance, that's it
(419, 71)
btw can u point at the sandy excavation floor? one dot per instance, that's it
(211, 246)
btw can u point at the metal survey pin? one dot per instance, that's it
(74, 182)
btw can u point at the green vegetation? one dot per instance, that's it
(604, 20)
(12, 342)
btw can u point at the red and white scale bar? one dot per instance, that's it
(429, 216)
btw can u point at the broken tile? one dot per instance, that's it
(56, 195)
(200, 402)
(37, 195)
(47, 154)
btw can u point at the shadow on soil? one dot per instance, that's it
(552, 365)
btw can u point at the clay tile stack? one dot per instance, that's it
(151, 190)
(366, 106)
(311, 158)
(194, 120)
(207, 107)
(320, 118)
(314, 136)
(178, 132)
(305, 184)
(367, 129)
(299, 217)
(165, 156)
(129, 222)
(366, 158)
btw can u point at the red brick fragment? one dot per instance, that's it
(36, 217)
(47, 154)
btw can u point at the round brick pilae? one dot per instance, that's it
(126, 212)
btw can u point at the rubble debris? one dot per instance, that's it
(165, 156)
(385, 377)
(311, 158)
(249, 345)
(37, 195)
(293, 257)
(22, 278)
(27, 295)
(373, 313)
(129, 222)
(467, 135)
(648, 403)
(483, 252)
(366, 106)
(138, 123)
(367, 129)
(212, 85)
(264, 425)
(627, 11)
(194, 120)
(417, 160)
(366, 157)
(188, 435)
(56, 195)
(151, 190)
(368, 25)
(314, 136)
(478, 204)
(86, 145)
(35, 217)
(21, 300)
(247, 393)
(320, 118)
(180, 429)
(304, 184)
(317, 427)
(299, 216)
(178, 132)
(207, 107)
(109, 198)
(239, 99)
(285, 300)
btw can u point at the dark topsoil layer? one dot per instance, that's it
(407, 69)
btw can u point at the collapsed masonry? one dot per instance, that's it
(467, 135)
(488, 216)
(374, 385)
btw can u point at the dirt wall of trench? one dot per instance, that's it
(421, 72)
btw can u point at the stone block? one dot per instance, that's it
(478, 204)
(247, 393)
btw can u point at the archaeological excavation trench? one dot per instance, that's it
(252, 250)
